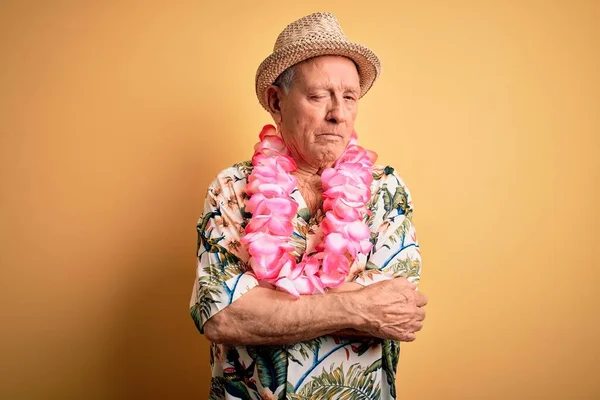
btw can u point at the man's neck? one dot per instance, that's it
(309, 177)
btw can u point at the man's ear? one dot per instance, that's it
(273, 96)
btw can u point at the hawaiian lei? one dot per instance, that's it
(346, 191)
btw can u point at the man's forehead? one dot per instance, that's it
(328, 71)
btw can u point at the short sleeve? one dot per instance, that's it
(395, 250)
(222, 274)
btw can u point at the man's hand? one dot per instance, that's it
(391, 309)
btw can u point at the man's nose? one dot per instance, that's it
(337, 113)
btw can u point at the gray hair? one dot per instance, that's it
(285, 79)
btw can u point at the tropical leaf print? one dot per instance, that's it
(271, 366)
(354, 384)
(406, 267)
(298, 240)
(223, 255)
(217, 388)
(365, 345)
(387, 200)
(201, 311)
(372, 206)
(400, 231)
(378, 172)
(238, 375)
(245, 168)
(219, 272)
(237, 389)
(304, 213)
(390, 354)
(196, 312)
(400, 201)
(307, 350)
(375, 366)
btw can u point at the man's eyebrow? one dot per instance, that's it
(345, 88)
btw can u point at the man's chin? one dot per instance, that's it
(333, 156)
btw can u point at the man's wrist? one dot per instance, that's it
(351, 306)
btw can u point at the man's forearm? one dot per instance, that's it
(269, 317)
(348, 332)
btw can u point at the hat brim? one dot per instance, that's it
(367, 62)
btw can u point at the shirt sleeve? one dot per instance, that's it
(396, 250)
(222, 274)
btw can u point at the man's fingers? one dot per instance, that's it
(418, 326)
(420, 299)
(401, 282)
(409, 337)
(420, 314)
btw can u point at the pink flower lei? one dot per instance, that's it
(346, 191)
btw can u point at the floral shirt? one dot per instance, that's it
(327, 367)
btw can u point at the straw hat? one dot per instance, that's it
(315, 35)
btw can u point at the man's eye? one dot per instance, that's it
(349, 98)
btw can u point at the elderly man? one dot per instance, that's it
(307, 257)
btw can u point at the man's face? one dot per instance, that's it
(318, 113)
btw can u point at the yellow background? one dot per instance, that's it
(115, 116)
